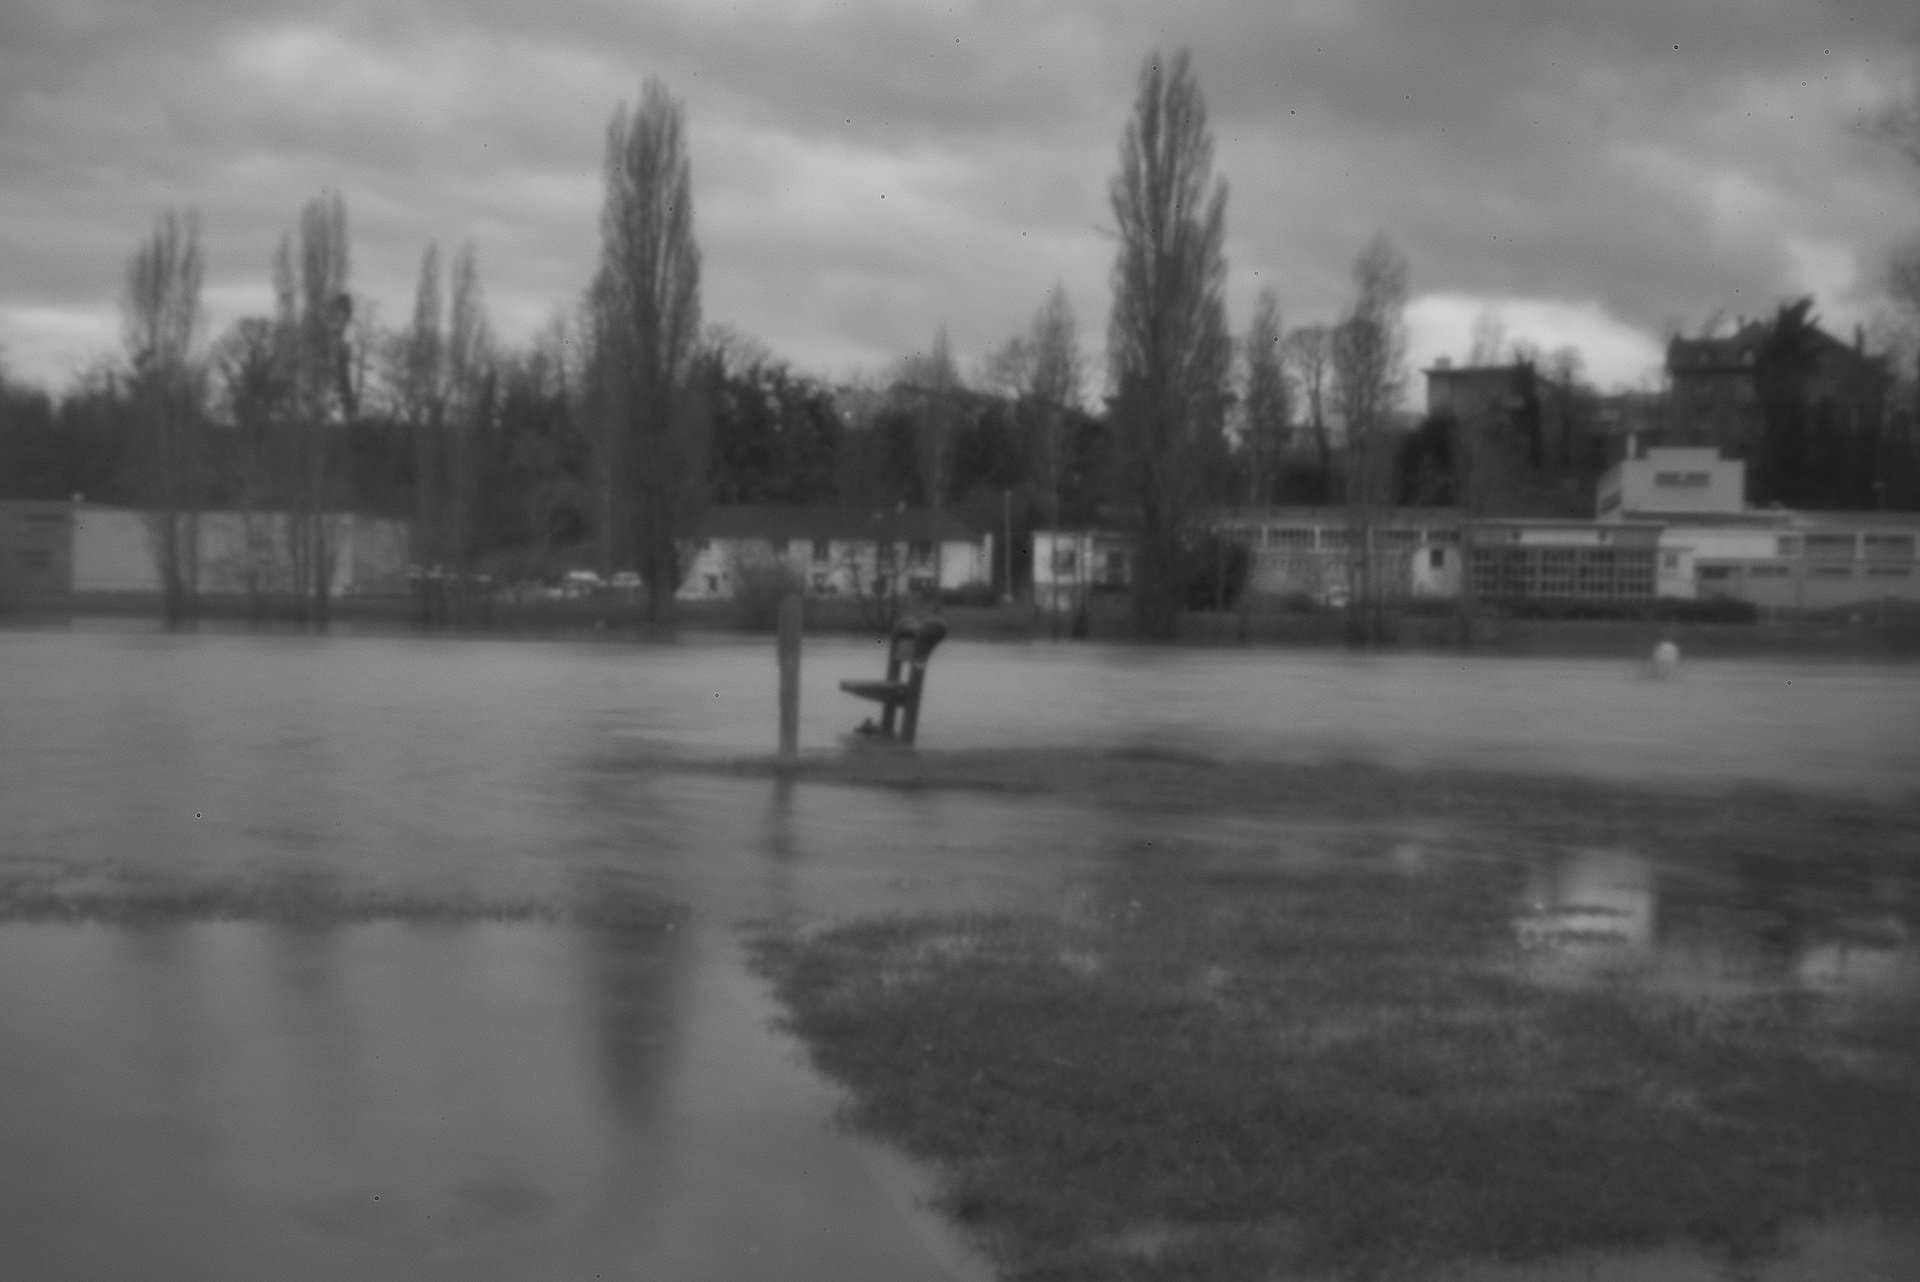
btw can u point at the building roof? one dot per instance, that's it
(1289, 515)
(770, 521)
(1793, 519)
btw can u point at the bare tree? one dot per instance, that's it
(1489, 343)
(315, 314)
(1565, 371)
(161, 318)
(1903, 278)
(646, 305)
(418, 375)
(256, 390)
(1309, 355)
(1369, 359)
(1044, 372)
(926, 385)
(468, 385)
(1266, 400)
(441, 370)
(1169, 354)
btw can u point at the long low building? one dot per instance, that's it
(1670, 523)
(835, 551)
(238, 552)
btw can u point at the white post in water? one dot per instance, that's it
(1666, 659)
(790, 677)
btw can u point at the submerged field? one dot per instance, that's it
(1426, 1033)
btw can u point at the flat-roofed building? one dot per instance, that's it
(1672, 479)
(36, 556)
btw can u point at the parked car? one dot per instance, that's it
(577, 583)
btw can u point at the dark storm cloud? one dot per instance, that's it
(867, 171)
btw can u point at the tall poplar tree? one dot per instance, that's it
(1168, 351)
(645, 304)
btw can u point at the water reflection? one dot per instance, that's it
(1768, 924)
(476, 1101)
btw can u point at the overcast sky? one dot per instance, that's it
(867, 171)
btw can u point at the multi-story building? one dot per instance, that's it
(1714, 396)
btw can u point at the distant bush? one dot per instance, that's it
(975, 593)
(1652, 610)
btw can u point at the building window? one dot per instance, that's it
(1788, 545)
(34, 558)
(1682, 480)
(1887, 572)
(1766, 571)
(820, 583)
(1116, 567)
(920, 550)
(1290, 537)
(713, 585)
(1716, 573)
(822, 549)
(1669, 560)
(1832, 571)
(1436, 558)
(1841, 546)
(779, 546)
(1889, 547)
(1064, 561)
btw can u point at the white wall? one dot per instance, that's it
(1673, 479)
(850, 567)
(113, 552)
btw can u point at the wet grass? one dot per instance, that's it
(1215, 1068)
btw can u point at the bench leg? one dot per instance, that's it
(910, 715)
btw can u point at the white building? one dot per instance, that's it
(1071, 565)
(1311, 552)
(835, 552)
(1712, 544)
(1672, 480)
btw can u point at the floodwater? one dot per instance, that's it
(233, 1099)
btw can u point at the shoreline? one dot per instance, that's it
(1865, 633)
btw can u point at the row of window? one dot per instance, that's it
(1726, 573)
(822, 549)
(1846, 547)
(1309, 536)
(1589, 573)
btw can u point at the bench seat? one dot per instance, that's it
(889, 692)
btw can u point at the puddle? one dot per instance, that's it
(1608, 915)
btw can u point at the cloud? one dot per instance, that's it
(867, 170)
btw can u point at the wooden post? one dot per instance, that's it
(790, 677)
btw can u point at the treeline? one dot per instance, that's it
(599, 442)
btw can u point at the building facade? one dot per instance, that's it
(1713, 545)
(238, 553)
(832, 552)
(36, 556)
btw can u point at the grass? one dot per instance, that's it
(1212, 1068)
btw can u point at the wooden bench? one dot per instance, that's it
(910, 644)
